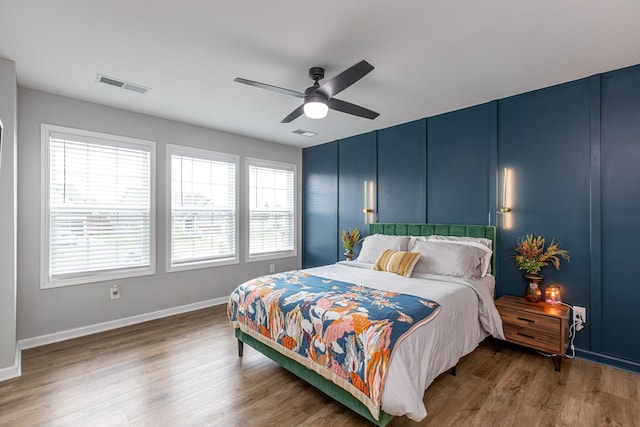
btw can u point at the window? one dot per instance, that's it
(272, 216)
(98, 215)
(202, 226)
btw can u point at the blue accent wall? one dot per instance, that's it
(544, 141)
(458, 174)
(402, 158)
(320, 205)
(356, 164)
(620, 212)
(573, 151)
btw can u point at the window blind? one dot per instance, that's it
(99, 198)
(203, 208)
(271, 208)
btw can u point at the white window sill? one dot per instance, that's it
(93, 278)
(203, 264)
(271, 255)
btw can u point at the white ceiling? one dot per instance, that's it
(431, 56)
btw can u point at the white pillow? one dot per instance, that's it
(482, 240)
(448, 259)
(374, 245)
(478, 242)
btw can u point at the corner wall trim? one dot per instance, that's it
(15, 370)
(114, 324)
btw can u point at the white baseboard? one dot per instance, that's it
(15, 370)
(114, 324)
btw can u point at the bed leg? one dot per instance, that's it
(240, 348)
(453, 371)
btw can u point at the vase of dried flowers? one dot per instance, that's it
(531, 257)
(349, 240)
(533, 292)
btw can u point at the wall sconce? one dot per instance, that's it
(507, 199)
(552, 295)
(505, 205)
(369, 203)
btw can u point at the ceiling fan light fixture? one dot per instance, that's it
(316, 110)
(318, 99)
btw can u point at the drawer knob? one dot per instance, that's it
(526, 320)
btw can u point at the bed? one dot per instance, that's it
(444, 318)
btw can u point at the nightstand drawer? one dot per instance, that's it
(533, 338)
(531, 321)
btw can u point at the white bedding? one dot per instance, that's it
(467, 315)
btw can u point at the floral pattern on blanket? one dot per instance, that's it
(337, 329)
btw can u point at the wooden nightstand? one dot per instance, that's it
(535, 325)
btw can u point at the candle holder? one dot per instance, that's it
(552, 295)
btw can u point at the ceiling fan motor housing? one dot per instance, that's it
(316, 73)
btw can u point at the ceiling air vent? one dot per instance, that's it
(101, 78)
(305, 132)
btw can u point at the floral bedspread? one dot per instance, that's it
(342, 331)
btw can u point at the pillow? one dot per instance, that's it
(483, 241)
(398, 262)
(479, 242)
(374, 245)
(448, 259)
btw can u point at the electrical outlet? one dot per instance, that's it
(272, 268)
(579, 317)
(115, 292)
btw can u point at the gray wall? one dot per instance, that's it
(8, 91)
(42, 312)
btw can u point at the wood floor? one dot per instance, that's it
(184, 371)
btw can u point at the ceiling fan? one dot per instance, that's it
(318, 99)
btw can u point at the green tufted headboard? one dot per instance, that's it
(393, 229)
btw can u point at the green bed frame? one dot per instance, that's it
(394, 229)
(316, 380)
(328, 387)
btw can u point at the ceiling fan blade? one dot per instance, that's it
(294, 114)
(349, 108)
(270, 87)
(345, 79)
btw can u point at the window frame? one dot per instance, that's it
(212, 155)
(46, 282)
(250, 161)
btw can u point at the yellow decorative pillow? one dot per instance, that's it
(398, 262)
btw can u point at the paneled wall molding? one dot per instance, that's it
(493, 165)
(595, 232)
(458, 166)
(544, 142)
(573, 152)
(356, 164)
(320, 205)
(402, 159)
(619, 293)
